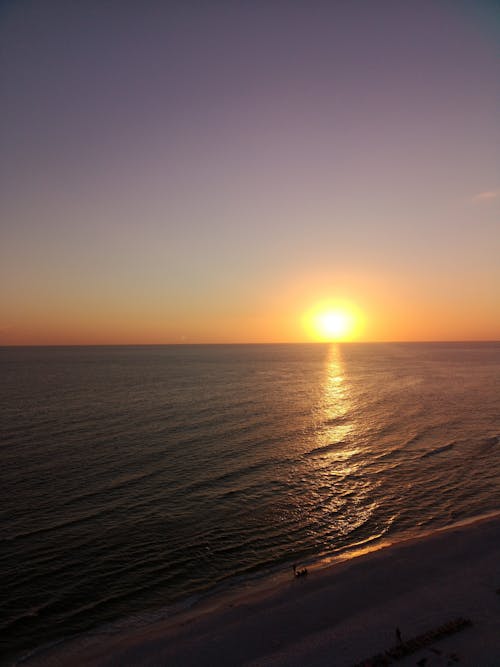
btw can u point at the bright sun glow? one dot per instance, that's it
(332, 322)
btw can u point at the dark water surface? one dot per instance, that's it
(136, 477)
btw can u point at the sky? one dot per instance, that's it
(192, 172)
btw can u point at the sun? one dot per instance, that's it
(332, 322)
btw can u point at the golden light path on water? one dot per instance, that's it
(336, 400)
(342, 491)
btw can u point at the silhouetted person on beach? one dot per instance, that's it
(398, 635)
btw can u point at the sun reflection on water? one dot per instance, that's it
(335, 418)
(340, 492)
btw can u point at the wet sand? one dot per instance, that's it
(339, 615)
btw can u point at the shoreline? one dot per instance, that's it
(343, 612)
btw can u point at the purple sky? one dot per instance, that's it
(196, 167)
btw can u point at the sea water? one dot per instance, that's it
(136, 478)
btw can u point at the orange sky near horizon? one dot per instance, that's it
(385, 312)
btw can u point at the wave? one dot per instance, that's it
(389, 454)
(438, 450)
(336, 420)
(324, 449)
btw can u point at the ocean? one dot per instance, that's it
(137, 481)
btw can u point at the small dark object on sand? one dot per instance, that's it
(299, 573)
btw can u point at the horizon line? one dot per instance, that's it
(186, 344)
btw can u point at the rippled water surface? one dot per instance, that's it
(136, 477)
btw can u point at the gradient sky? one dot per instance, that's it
(208, 171)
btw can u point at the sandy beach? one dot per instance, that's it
(342, 615)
